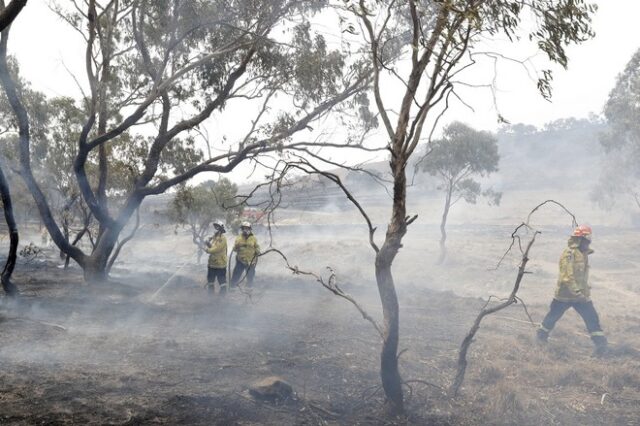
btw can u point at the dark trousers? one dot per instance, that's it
(585, 309)
(217, 273)
(238, 271)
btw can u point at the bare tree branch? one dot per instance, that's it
(331, 285)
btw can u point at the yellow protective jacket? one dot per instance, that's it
(218, 252)
(247, 249)
(573, 280)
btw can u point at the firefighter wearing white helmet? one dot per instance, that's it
(217, 265)
(247, 252)
(573, 290)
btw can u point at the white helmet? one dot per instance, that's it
(245, 225)
(219, 224)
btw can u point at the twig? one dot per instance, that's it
(516, 320)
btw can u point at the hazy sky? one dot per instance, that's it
(44, 55)
(581, 89)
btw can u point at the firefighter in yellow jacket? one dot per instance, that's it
(247, 252)
(573, 290)
(217, 265)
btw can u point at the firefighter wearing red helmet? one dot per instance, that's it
(573, 290)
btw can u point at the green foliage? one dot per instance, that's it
(621, 169)
(315, 68)
(459, 155)
(198, 207)
(622, 109)
(557, 24)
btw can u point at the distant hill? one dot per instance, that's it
(564, 154)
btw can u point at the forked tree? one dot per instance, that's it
(157, 70)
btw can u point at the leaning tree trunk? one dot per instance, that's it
(10, 264)
(24, 138)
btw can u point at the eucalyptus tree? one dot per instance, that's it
(157, 70)
(621, 141)
(423, 45)
(455, 159)
(196, 208)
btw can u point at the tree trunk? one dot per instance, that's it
(96, 266)
(389, 373)
(9, 13)
(14, 238)
(76, 240)
(443, 226)
(22, 118)
(96, 269)
(65, 232)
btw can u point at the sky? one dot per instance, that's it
(48, 58)
(581, 89)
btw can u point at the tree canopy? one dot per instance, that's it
(157, 70)
(198, 207)
(621, 141)
(460, 155)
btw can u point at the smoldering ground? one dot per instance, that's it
(123, 353)
(115, 354)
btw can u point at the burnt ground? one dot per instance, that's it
(110, 354)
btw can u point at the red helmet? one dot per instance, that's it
(582, 231)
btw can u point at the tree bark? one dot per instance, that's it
(96, 268)
(389, 372)
(9, 13)
(443, 226)
(8, 286)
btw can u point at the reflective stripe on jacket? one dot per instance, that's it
(218, 252)
(573, 279)
(247, 249)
